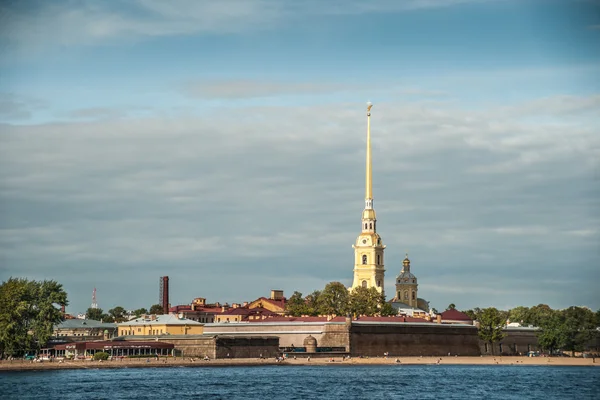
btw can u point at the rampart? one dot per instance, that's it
(413, 339)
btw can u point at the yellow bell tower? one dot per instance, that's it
(368, 249)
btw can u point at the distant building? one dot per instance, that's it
(275, 303)
(369, 268)
(200, 311)
(154, 325)
(453, 316)
(244, 314)
(84, 329)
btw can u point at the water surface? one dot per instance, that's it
(307, 382)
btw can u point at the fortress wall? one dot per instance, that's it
(404, 339)
(247, 347)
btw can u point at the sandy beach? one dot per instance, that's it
(20, 365)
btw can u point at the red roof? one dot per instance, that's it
(455, 315)
(278, 303)
(392, 319)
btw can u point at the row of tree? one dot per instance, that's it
(119, 314)
(570, 329)
(29, 310)
(335, 299)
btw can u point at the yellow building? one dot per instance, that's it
(153, 325)
(276, 303)
(368, 250)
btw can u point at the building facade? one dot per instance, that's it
(406, 286)
(156, 325)
(369, 268)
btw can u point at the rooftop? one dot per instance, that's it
(85, 324)
(164, 319)
(455, 315)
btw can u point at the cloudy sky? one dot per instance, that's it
(221, 143)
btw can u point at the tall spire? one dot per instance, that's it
(369, 174)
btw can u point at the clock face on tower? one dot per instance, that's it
(364, 241)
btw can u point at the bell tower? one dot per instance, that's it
(368, 250)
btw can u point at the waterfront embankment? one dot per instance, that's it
(22, 365)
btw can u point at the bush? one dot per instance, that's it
(101, 356)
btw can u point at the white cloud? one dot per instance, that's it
(278, 190)
(87, 22)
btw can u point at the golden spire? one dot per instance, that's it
(369, 177)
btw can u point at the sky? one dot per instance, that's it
(222, 143)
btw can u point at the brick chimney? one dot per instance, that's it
(438, 318)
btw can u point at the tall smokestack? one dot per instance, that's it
(164, 294)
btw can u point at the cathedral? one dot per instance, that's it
(369, 270)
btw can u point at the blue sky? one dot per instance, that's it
(222, 144)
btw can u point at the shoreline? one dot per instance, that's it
(21, 365)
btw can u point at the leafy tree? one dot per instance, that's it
(365, 301)
(117, 314)
(491, 323)
(140, 311)
(474, 313)
(334, 299)
(538, 314)
(387, 310)
(95, 313)
(296, 305)
(519, 314)
(156, 309)
(579, 328)
(434, 310)
(552, 334)
(312, 303)
(28, 314)
(451, 306)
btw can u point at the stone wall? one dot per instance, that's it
(247, 347)
(290, 334)
(219, 346)
(406, 339)
(517, 341)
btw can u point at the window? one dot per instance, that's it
(364, 284)
(365, 226)
(378, 283)
(364, 259)
(413, 295)
(378, 259)
(371, 225)
(406, 295)
(378, 240)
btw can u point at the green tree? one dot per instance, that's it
(117, 314)
(94, 313)
(474, 313)
(156, 309)
(28, 314)
(365, 301)
(387, 310)
(296, 305)
(538, 314)
(140, 311)
(334, 299)
(451, 306)
(551, 335)
(579, 328)
(312, 303)
(491, 323)
(519, 314)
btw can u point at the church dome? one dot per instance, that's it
(406, 277)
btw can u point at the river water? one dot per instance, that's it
(307, 382)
